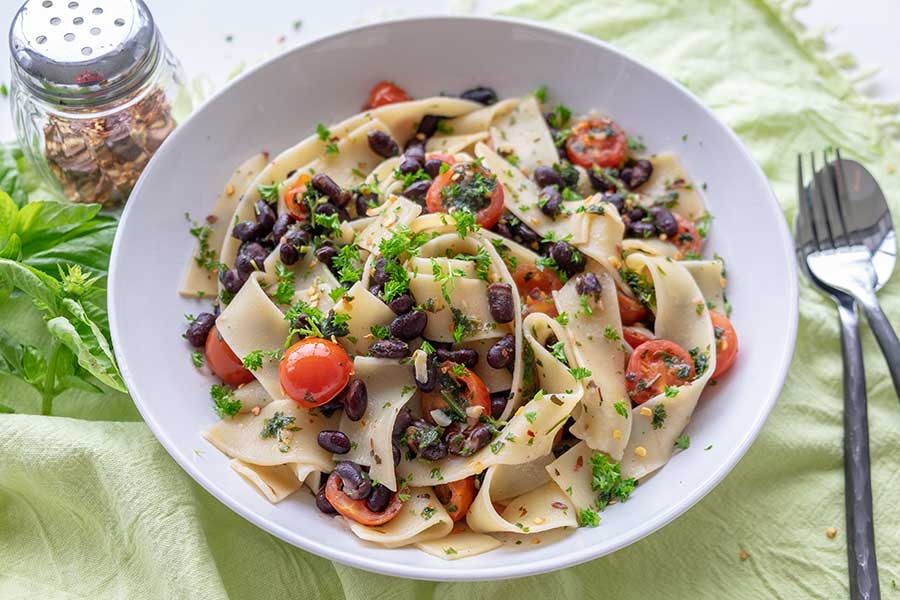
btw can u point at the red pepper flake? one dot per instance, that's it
(530, 433)
(579, 463)
(211, 219)
(560, 505)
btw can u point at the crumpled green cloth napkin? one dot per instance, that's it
(96, 509)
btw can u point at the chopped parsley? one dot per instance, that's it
(436, 474)
(635, 144)
(224, 401)
(621, 408)
(284, 290)
(346, 264)
(428, 512)
(643, 289)
(380, 332)
(579, 373)
(269, 193)
(558, 350)
(606, 480)
(275, 426)
(410, 178)
(426, 347)
(683, 442)
(563, 318)
(671, 391)
(197, 359)
(560, 116)
(701, 360)
(482, 262)
(585, 309)
(611, 334)
(659, 416)
(254, 359)
(450, 550)
(541, 94)
(206, 257)
(332, 148)
(530, 416)
(703, 225)
(471, 192)
(465, 222)
(588, 517)
(323, 132)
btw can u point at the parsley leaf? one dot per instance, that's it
(659, 416)
(606, 480)
(683, 442)
(588, 518)
(224, 402)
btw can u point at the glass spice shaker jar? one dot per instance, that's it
(92, 91)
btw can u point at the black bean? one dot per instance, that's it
(481, 95)
(637, 175)
(455, 438)
(637, 213)
(199, 328)
(265, 216)
(323, 504)
(326, 255)
(550, 200)
(500, 302)
(376, 289)
(428, 125)
(301, 321)
(409, 326)
(403, 420)
(567, 257)
(640, 229)
(526, 234)
(356, 401)
(326, 209)
(379, 273)
(250, 258)
(433, 167)
(502, 353)
(326, 185)
(343, 200)
(282, 223)
(435, 451)
(395, 450)
(599, 183)
(357, 485)
(335, 404)
(545, 176)
(379, 499)
(498, 403)
(231, 280)
(415, 150)
(617, 200)
(431, 374)
(365, 200)
(588, 284)
(476, 439)
(336, 442)
(417, 190)
(402, 304)
(288, 254)
(246, 231)
(665, 221)
(463, 356)
(297, 238)
(382, 144)
(389, 349)
(409, 165)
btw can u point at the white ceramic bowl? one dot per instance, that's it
(279, 102)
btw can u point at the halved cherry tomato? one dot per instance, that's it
(687, 239)
(293, 197)
(223, 362)
(635, 336)
(630, 310)
(313, 371)
(654, 366)
(460, 176)
(456, 496)
(726, 342)
(599, 142)
(529, 278)
(443, 157)
(474, 392)
(386, 92)
(356, 510)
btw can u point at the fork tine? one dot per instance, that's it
(807, 220)
(843, 196)
(832, 199)
(820, 206)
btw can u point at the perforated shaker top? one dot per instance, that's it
(76, 51)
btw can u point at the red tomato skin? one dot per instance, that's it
(589, 144)
(635, 337)
(293, 195)
(385, 93)
(487, 217)
(457, 494)
(647, 365)
(477, 395)
(356, 510)
(688, 238)
(313, 371)
(726, 345)
(223, 362)
(630, 310)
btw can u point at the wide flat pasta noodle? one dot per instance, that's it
(241, 437)
(596, 340)
(198, 281)
(251, 395)
(390, 386)
(522, 132)
(481, 119)
(252, 322)
(365, 311)
(396, 212)
(451, 144)
(710, 278)
(275, 483)
(313, 281)
(422, 518)
(677, 320)
(670, 184)
(353, 159)
(572, 473)
(651, 246)
(459, 545)
(521, 196)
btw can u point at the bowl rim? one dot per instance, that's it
(526, 567)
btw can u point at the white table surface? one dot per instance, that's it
(212, 37)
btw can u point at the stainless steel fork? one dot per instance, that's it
(811, 237)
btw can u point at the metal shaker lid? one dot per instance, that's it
(83, 52)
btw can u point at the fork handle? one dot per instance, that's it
(857, 479)
(886, 336)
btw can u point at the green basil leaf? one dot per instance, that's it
(13, 247)
(4, 409)
(8, 214)
(11, 352)
(11, 180)
(34, 366)
(42, 223)
(40, 287)
(85, 339)
(88, 245)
